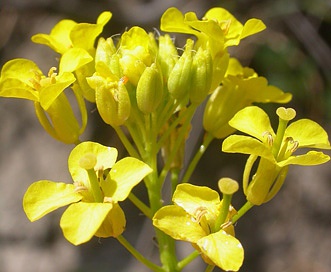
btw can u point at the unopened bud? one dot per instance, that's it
(167, 56)
(179, 81)
(202, 72)
(113, 103)
(149, 89)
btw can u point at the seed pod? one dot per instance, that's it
(149, 89)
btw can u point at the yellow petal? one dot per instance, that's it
(253, 121)
(123, 176)
(177, 223)
(223, 249)
(192, 198)
(106, 158)
(82, 220)
(114, 223)
(44, 196)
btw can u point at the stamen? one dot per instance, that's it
(295, 145)
(226, 224)
(107, 199)
(79, 187)
(198, 214)
(268, 135)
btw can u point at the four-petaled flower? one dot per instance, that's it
(22, 78)
(193, 219)
(99, 184)
(274, 149)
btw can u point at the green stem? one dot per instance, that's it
(128, 146)
(166, 243)
(172, 126)
(210, 268)
(245, 208)
(207, 140)
(174, 179)
(140, 205)
(188, 259)
(138, 255)
(177, 144)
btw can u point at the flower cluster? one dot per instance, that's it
(148, 90)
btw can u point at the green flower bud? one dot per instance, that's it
(179, 81)
(132, 68)
(113, 103)
(149, 89)
(167, 56)
(202, 72)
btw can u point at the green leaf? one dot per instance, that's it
(253, 121)
(82, 220)
(177, 223)
(123, 176)
(223, 249)
(44, 196)
(308, 134)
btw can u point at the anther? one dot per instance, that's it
(269, 137)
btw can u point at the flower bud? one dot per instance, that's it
(202, 71)
(167, 55)
(113, 103)
(179, 81)
(103, 56)
(132, 68)
(149, 89)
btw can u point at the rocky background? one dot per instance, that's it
(292, 233)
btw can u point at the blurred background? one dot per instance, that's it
(292, 233)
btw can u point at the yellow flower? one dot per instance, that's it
(274, 149)
(193, 219)
(99, 184)
(240, 88)
(21, 78)
(75, 42)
